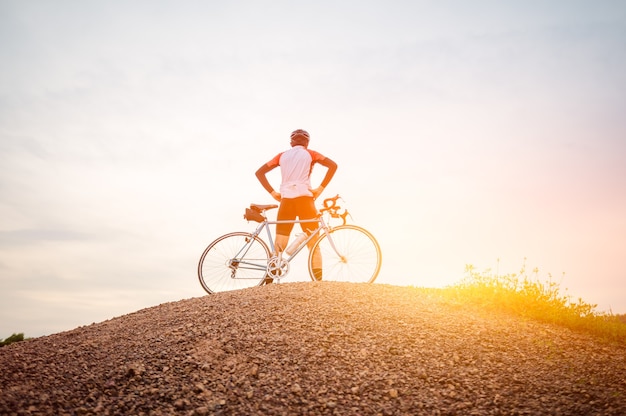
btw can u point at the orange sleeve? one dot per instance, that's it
(316, 156)
(275, 161)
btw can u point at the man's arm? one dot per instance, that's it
(261, 176)
(331, 168)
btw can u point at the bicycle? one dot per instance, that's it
(240, 260)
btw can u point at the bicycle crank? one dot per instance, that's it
(277, 267)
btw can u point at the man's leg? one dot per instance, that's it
(307, 209)
(316, 262)
(285, 212)
(280, 245)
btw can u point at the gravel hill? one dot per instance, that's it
(317, 348)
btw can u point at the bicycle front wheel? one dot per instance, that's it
(234, 261)
(348, 254)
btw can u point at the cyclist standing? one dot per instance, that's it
(296, 196)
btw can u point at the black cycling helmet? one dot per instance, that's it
(299, 137)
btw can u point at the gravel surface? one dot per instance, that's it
(314, 348)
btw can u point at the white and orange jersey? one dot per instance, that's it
(296, 165)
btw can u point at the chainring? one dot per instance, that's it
(277, 267)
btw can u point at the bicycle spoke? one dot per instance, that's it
(348, 254)
(234, 261)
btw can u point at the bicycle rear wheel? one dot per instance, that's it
(356, 256)
(234, 261)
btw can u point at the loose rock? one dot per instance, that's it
(314, 348)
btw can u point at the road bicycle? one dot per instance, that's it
(241, 259)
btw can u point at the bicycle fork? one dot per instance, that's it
(342, 258)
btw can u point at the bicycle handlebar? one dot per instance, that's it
(330, 206)
(329, 203)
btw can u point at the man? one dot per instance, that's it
(296, 196)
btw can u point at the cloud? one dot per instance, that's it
(130, 133)
(34, 236)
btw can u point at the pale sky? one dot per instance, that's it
(465, 132)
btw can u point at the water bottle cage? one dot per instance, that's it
(296, 244)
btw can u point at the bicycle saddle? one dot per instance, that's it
(260, 207)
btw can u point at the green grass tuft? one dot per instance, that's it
(523, 296)
(13, 338)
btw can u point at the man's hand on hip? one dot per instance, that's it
(317, 191)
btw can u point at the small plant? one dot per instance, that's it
(13, 338)
(531, 298)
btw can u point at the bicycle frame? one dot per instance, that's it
(236, 262)
(337, 252)
(322, 226)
